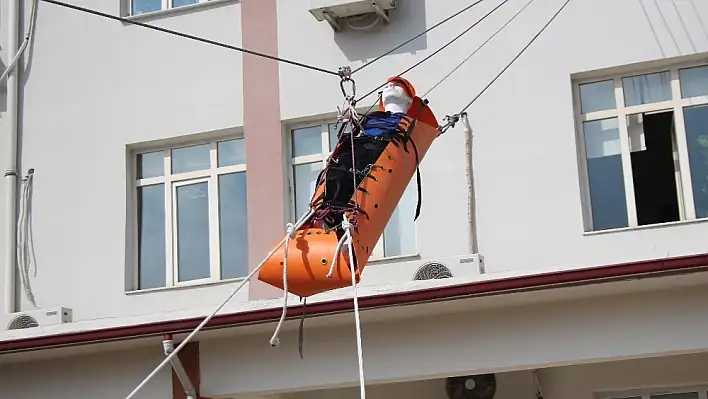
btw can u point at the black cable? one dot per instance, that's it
(188, 36)
(514, 59)
(417, 36)
(440, 49)
(477, 49)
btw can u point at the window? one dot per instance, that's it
(310, 147)
(138, 7)
(644, 146)
(191, 214)
(674, 393)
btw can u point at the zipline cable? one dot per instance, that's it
(431, 55)
(451, 120)
(188, 36)
(515, 58)
(462, 11)
(435, 86)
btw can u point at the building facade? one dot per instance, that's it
(571, 215)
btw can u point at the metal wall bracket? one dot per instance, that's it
(332, 21)
(169, 347)
(380, 12)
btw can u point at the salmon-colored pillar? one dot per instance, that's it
(263, 134)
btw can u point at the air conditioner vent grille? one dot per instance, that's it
(431, 271)
(21, 322)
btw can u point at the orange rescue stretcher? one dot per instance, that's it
(313, 247)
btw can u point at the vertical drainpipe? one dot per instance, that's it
(471, 206)
(10, 147)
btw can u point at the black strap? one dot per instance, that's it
(418, 180)
(301, 333)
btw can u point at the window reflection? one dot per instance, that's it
(696, 122)
(233, 225)
(193, 231)
(605, 174)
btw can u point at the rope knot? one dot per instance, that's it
(290, 230)
(347, 225)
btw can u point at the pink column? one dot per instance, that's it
(263, 134)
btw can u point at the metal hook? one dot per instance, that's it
(345, 72)
(344, 91)
(450, 121)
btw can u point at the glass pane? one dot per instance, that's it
(645, 89)
(694, 82)
(334, 131)
(597, 96)
(193, 231)
(189, 159)
(683, 395)
(233, 225)
(231, 152)
(177, 3)
(305, 180)
(151, 236)
(143, 6)
(151, 164)
(307, 141)
(400, 234)
(696, 120)
(605, 174)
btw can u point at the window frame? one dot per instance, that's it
(378, 253)
(165, 5)
(684, 185)
(171, 182)
(646, 393)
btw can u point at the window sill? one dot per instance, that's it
(646, 227)
(208, 283)
(394, 259)
(187, 8)
(185, 286)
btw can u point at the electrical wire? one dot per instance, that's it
(25, 43)
(435, 86)
(188, 36)
(515, 58)
(446, 45)
(462, 11)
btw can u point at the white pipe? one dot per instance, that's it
(471, 206)
(10, 147)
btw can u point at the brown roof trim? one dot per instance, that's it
(642, 269)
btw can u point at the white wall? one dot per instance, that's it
(513, 385)
(104, 375)
(95, 86)
(528, 197)
(584, 381)
(468, 342)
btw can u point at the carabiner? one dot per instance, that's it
(344, 91)
(345, 72)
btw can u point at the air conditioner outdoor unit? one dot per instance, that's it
(425, 269)
(38, 318)
(335, 11)
(458, 266)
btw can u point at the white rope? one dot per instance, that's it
(360, 357)
(289, 231)
(25, 250)
(336, 255)
(203, 323)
